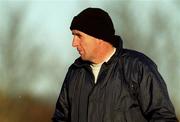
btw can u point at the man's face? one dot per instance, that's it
(86, 45)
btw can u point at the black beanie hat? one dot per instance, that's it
(95, 22)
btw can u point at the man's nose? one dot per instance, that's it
(75, 41)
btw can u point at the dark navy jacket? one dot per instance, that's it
(129, 88)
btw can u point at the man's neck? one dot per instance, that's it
(105, 55)
(110, 55)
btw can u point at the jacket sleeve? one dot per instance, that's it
(153, 96)
(62, 109)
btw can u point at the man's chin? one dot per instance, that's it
(84, 58)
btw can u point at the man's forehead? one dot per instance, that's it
(80, 33)
(77, 32)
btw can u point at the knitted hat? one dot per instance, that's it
(94, 22)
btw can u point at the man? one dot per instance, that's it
(108, 83)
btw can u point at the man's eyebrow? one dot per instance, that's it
(76, 33)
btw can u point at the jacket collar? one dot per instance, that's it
(118, 51)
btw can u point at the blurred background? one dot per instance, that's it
(36, 51)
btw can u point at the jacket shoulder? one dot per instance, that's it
(135, 64)
(132, 56)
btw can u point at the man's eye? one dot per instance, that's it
(79, 36)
